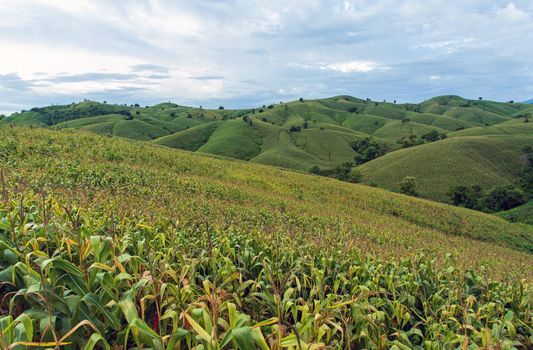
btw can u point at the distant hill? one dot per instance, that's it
(323, 134)
(298, 134)
(529, 101)
(488, 161)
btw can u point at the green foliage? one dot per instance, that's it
(433, 136)
(355, 176)
(367, 149)
(408, 186)
(488, 161)
(468, 197)
(522, 213)
(320, 132)
(82, 277)
(409, 141)
(504, 198)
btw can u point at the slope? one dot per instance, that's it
(299, 134)
(487, 161)
(111, 243)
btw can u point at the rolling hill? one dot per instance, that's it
(298, 135)
(321, 133)
(110, 242)
(488, 161)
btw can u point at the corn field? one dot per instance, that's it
(98, 267)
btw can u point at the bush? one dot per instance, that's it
(352, 109)
(355, 176)
(315, 170)
(295, 129)
(368, 149)
(342, 171)
(464, 196)
(410, 141)
(504, 198)
(433, 136)
(408, 186)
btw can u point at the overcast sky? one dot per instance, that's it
(246, 53)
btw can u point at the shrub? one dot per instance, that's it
(409, 141)
(295, 129)
(433, 136)
(504, 198)
(342, 171)
(368, 149)
(464, 196)
(408, 186)
(355, 176)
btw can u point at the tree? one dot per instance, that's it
(504, 198)
(342, 171)
(433, 136)
(480, 98)
(355, 176)
(295, 129)
(221, 107)
(315, 170)
(408, 186)
(306, 124)
(367, 150)
(301, 99)
(409, 141)
(2, 116)
(465, 197)
(405, 120)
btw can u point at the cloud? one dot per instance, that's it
(512, 13)
(243, 53)
(352, 66)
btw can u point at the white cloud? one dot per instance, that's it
(448, 46)
(512, 13)
(352, 66)
(255, 50)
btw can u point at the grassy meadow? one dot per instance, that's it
(488, 161)
(112, 243)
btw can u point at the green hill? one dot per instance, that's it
(306, 134)
(108, 242)
(523, 213)
(487, 161)
(303, 134)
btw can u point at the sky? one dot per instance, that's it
(247, 53)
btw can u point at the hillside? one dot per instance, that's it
(523, 213)
(137, 245)
(299, 135)
(321, 135)
(487, 161)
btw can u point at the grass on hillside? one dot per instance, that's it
(523, 213)
(488, 161)
(112, 242)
